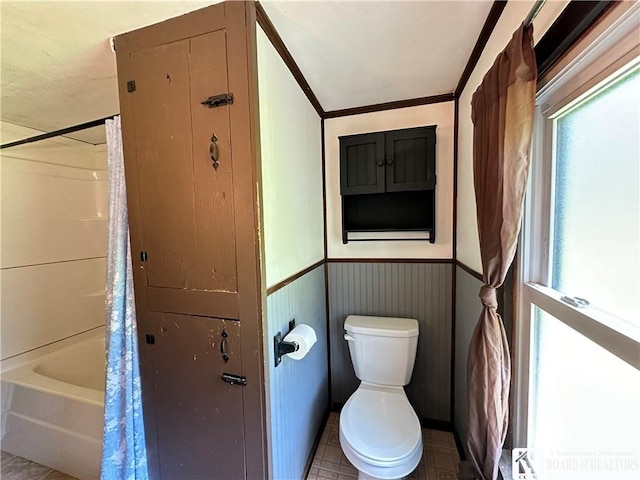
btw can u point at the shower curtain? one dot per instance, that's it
(124, 454)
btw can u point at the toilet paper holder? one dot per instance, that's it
(296, 344)
(281, 347)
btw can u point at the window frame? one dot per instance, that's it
(611, 48)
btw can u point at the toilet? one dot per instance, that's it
(380, 433)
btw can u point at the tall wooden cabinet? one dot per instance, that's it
(188, 90)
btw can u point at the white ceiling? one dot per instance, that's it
(57, 68)
(356, 53)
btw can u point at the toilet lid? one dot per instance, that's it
(380, 424)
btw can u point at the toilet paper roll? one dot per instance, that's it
(305, 337)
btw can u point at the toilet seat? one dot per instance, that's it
(379, 428)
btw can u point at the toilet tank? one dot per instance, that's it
(383, 349)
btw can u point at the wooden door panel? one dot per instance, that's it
(410, 159)
(165, 173)
(408, 164)
(214, 216)
(189, 220)
(189, 302)
(362, 164)
(200, 428)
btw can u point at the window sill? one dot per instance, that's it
(504, 466)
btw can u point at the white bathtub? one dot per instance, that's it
(52, 409)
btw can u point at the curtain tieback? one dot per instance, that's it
(488, 297)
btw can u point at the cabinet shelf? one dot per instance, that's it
(388, 235)
(412, 211)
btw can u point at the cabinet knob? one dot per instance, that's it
(389, 161)
(380, 163)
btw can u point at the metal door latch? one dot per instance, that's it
(218, 100)
(234, 379)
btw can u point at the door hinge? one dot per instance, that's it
(131, 86)
(218, 100)
(151, 339)
(144, 257)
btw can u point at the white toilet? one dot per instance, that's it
(380, 432)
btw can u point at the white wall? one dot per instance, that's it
(54, 231)
(291, 151)
(293, 222)
(468, 248)
(440, 114)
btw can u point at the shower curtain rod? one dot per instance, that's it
(534, 12)
(57, 133)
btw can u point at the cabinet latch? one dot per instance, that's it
(234, 379)
(218, 100)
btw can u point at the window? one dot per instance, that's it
(577, 397)
(596, 209)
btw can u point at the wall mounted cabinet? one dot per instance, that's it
(387, 184)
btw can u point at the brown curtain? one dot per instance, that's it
(502, 114)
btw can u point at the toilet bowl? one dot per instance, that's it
(380, 433)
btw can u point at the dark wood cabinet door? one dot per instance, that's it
(200, 428)
(188, 225)
(410, 156)
(362, 164)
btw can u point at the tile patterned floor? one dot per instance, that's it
(439, 461)
(18, 468)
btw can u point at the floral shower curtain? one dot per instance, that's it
(124, 454)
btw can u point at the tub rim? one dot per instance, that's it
(22, 373)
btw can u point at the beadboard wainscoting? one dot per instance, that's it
(298, 390)
(414, 290)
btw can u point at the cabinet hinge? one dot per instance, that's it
(131, 86)
(144, 257)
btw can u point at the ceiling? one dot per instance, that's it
(58, 70)
(358, 53)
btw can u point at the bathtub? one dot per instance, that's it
(52, 408)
